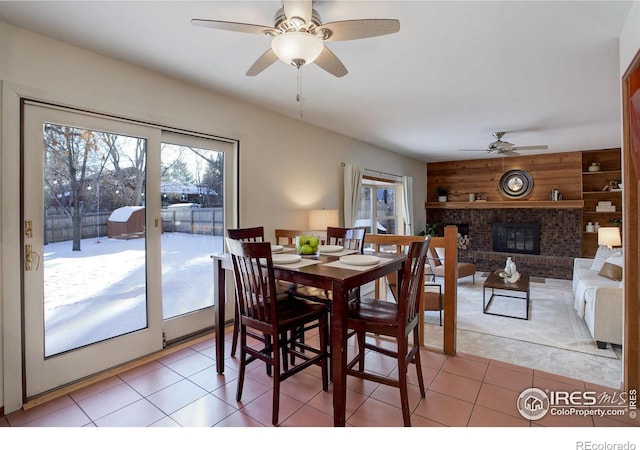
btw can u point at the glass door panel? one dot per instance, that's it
(193, 222)
(86, 240)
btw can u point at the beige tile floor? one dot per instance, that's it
(182, 389)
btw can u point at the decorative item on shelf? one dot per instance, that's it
(443, 193)
(472, 197)
(596, 227)
(594, 167)
(590, 228)
(555, 195)
(481, 197)
(605, 206)
(616, 222)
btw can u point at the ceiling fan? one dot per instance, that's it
(299, 36)
(500, 147)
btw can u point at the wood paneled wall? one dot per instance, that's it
(562, 171)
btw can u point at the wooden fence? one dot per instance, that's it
(207, 221)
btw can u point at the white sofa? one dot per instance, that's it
(599, 301)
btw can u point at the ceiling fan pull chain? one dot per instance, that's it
(299, 94)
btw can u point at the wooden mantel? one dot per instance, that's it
(539, 204)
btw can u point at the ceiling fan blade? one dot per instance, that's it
(330, 62)
(473, 150)
(233, 26)
(298, 8)
(509, 153)
(264, 61)
(531, 147)
(346, 30)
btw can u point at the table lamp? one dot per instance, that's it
(320, 219)
(609, 236)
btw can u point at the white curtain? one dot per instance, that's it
(352, 193)
(407, 204)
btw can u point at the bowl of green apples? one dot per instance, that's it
(307, 245)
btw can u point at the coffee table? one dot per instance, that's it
(494, 282)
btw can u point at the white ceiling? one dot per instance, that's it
(546, 72)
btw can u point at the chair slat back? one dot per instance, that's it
(349, 238)
(254, 282)
(253, 234)
(413, 281)
(396, 243)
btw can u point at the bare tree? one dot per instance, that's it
(68, 152)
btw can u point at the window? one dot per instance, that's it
(381, 199)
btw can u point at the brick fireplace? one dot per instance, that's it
(559, 238)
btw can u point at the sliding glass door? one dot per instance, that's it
(119, 223)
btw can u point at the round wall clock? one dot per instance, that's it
(515, 184)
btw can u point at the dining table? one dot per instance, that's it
(327, 272)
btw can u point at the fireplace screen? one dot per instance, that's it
(516, 238)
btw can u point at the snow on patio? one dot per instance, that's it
(99, 292)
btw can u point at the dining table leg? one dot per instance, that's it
(219, 307)
(339, 354)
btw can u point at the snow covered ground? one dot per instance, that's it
(100, 292)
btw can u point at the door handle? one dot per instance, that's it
(28, 257)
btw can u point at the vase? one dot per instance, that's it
(442, 198)
(594, 167)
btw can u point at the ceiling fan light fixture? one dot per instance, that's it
(297, 47)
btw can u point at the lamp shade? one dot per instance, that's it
(297, 47)
(609, 236)
(320, 219)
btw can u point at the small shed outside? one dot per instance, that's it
(127, 222)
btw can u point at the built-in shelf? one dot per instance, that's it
(562, 204)
(605, 172)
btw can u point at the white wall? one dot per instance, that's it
(275, 191)
(630, 38)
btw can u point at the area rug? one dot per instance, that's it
(552, 321)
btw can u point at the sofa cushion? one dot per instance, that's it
(602, 253)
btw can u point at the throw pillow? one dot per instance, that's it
(611, 271)
(612, 267)
(598, 261)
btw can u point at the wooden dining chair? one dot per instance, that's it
(269, 317)
(348, 238)
(397, 320)
(253, 234)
